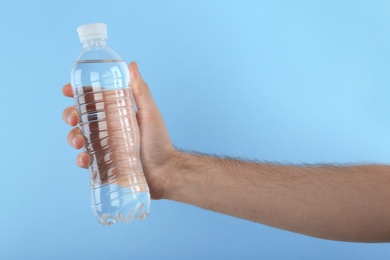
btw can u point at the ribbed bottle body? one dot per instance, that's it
(107, 120)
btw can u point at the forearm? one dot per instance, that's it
(343, 203)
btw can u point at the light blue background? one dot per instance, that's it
(281, 81)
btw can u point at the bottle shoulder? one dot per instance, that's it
(104, 73)
(97, 54)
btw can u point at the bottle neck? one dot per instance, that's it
(98, 42)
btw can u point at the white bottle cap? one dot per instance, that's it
(92, 31)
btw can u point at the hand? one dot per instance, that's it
(157, 151)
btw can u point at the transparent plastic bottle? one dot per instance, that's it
(107, 120)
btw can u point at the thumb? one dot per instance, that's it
(141, 92)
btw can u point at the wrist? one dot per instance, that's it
(191, 178)
(173, 181)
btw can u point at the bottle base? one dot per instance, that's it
(112, 203)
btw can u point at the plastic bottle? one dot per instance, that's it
(107, 120)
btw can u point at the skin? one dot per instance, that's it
(346, 203)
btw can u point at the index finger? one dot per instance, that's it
(67, 90)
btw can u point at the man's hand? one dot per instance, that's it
(157, 151)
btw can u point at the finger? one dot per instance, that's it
(70, 116)
(67, 90)
(141, 92)
(75, 139)
(82, 160)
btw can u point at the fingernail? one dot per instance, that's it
(79, 161)
(137, 70)
(74, 141)
(69, 119)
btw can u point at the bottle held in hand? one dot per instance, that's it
(107, 120)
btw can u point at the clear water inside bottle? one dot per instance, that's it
(112, 203)
(107, 120)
